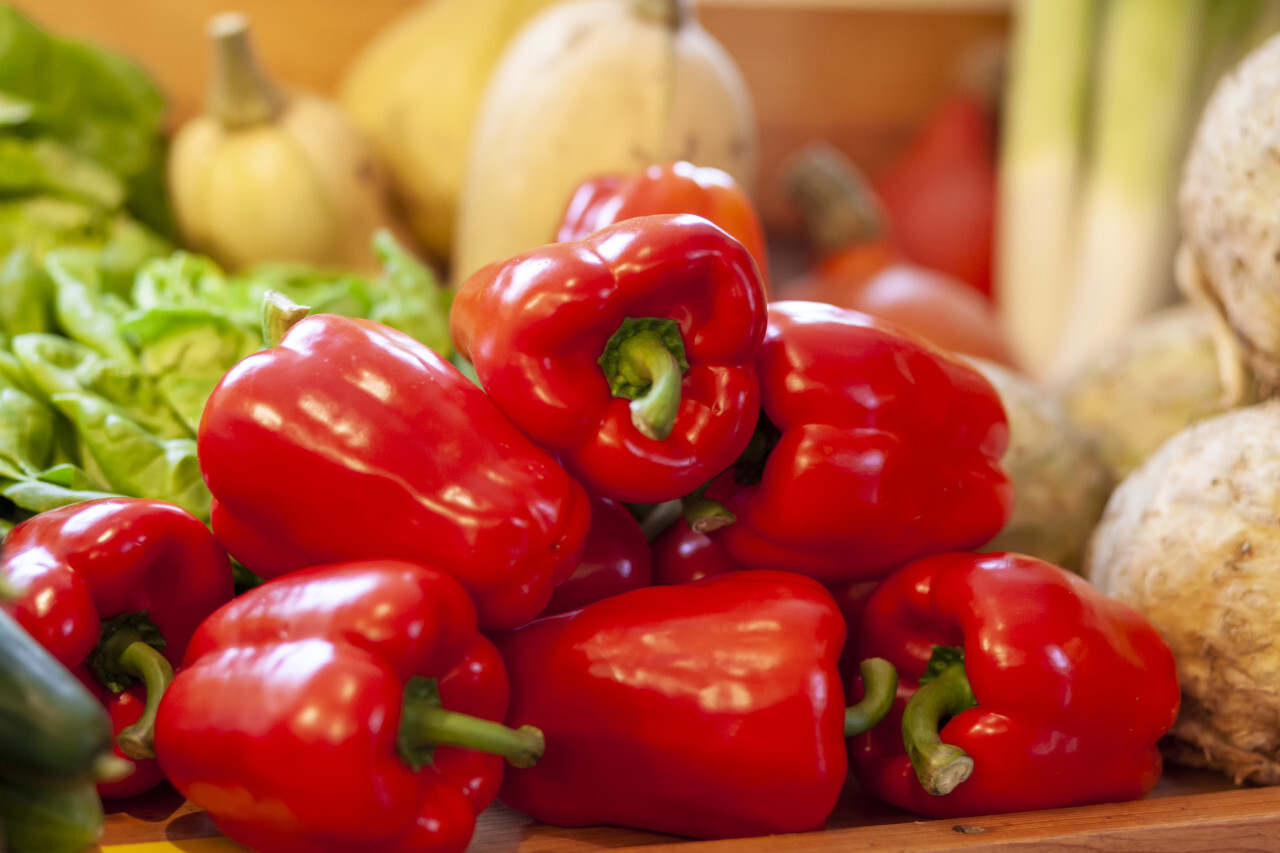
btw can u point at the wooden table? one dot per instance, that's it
(1189, 811)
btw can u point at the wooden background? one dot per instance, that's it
(863, 75)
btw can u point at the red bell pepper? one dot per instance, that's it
(873, 448)
(342, 707)
(1047, 692)
(679, 187)
(350, 440)
(126, 709)
(712, 709)
(861, 265)
(616, 559)
(629, 354)
(681, 554)
(941, 192)
(114, 588)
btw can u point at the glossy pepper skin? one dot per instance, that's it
(285, 720)
(678, 187)
(84, 568)
(875, 448)
(1073, 689)
(674, 301)
(615, 559)
(709, 710)
(350, 440)
(681, 554)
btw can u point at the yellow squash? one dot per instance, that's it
(591, 87)
(414, 91)
(266, 175)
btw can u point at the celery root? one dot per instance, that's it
(1228, 212)
(1159, 379)
(1191, 540)
(1060, 480)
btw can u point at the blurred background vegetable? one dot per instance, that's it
(393, 90)
(589, 87)
(940, 193)
(78, 124)
(1099, 109)
(1132, 396)
(860, 264)
(1061, 481)
(1146, 74)
(273, 175)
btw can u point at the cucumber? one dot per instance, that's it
(53, 731)
(36, 819)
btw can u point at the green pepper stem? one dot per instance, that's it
(110, 767)
(939, 766)
(659, 518)
(644, 357)
(146, 663)
(429, 724)
(9, 591)
(880, 687)
(704, 515)
(279, 315)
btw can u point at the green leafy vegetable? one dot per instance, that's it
(26, 295)
(97, 102)
(58, 365)
(26, 434)
(133, 461)
(84, 311)
(412, 299)
(46, 165)
(79, 123)
(111, 343)
(14, 111)
(37, 494)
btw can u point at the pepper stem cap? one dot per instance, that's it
(129, 652)
(644, 361)
(703, 515)
(424, 725)
(110, 767)
(279, 315)
(880, 687)
(939, 766)
(145, 662)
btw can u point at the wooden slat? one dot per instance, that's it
(1229, 820)
(1189, 812)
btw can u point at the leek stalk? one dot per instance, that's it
(1042, 160)
(1099, 107)
(1144, 104)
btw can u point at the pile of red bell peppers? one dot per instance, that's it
(460, 600)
